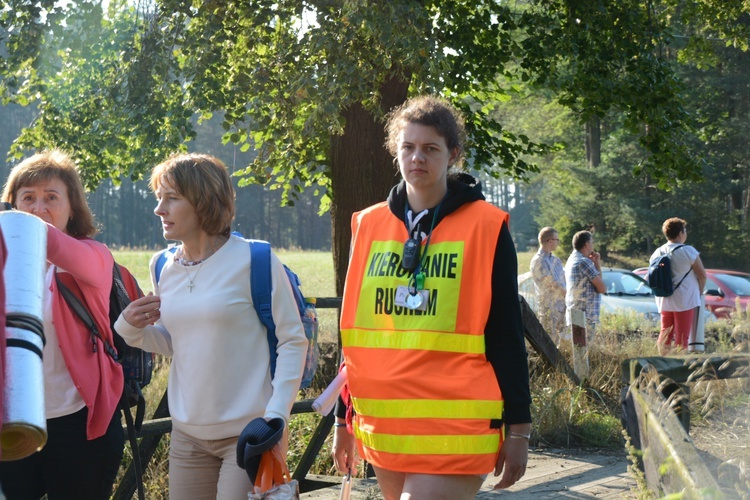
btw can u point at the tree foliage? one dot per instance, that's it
(122, 86)
(626, 212)
(100, 87)
(307, 84)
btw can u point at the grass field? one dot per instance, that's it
(137, 263)
(315, 269)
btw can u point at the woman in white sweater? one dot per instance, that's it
(202, 316)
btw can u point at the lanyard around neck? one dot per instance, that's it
(416, 281)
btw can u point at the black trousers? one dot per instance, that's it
(69, 466)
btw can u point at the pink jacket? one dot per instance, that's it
(97, 376)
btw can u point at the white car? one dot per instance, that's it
(626, 291)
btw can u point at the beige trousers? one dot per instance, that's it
(205, 470)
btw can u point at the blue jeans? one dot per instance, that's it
(69, 466)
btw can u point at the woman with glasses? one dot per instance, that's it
(431, 325)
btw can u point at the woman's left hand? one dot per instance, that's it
(512, 461)
(344, 450)
(143, 311)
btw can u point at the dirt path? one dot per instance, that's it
(569, 474)
(550, 474)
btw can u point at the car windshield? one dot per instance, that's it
(739, 284)
(620, 283)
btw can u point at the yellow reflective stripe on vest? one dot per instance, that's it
(428, 408)
(425, 341)
(429, 445)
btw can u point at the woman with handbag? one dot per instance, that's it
(431, 325)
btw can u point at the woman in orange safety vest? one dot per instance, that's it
(431, 325)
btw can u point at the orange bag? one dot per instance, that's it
(273, 481)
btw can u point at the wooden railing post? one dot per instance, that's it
(147, 448)
(656, 417)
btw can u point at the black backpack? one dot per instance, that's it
(137, 364)
(660, 274)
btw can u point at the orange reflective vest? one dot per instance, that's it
(422, 389)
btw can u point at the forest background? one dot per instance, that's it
(601, 115)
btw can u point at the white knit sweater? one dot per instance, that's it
(219, 376)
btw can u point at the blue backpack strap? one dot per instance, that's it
(161, 260)
(260, 289)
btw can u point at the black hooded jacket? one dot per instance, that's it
(503, 334)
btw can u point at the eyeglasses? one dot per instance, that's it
(553, 239)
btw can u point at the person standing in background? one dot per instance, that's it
(82, 383)
(549, 281)
(677, 310)
(583, 276)
(583, 297)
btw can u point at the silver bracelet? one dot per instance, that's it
(337, 424)
(518, 435)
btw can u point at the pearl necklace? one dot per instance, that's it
(189, 263)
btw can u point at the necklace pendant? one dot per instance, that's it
(190, 286)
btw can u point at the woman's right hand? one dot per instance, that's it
(344, 450)
(143, 311)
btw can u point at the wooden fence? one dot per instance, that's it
(656, 415)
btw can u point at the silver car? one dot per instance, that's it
(626, 291)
